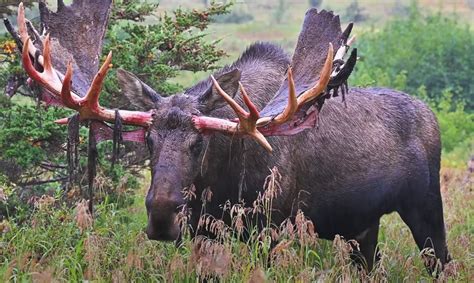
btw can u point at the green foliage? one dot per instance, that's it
(428, 57)
(9, 61)
(456, 125)
(131, 10)
(433, 51)
(157, 51)
(28, 132)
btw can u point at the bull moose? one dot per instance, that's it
(376, 153)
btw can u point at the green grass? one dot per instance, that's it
(51, 246)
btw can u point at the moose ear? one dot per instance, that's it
(139, 94)
(229, 82)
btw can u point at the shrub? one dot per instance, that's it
(29, 138)
(428, 57)
(456, 125)
(433, 51)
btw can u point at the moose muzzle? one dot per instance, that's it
(162, 206)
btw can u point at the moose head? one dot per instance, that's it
(190, 134)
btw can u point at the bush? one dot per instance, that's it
(433, 51)
(29, 138)
(428, 57)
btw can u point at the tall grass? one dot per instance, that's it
(61, 244)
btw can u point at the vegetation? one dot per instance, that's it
(33, 146)
(434, 65)
(429, 51)
(47, 233)
(65, 244)
(159, 51)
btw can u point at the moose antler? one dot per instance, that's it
(249, 122)
(295, 107)
(87, 106)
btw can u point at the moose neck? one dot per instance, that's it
(262, 72)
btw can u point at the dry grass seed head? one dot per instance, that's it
(272, 184)
(101, 183)
(429, 258)
(274, 234)
(451, 271)
(342, 250)
(305, 229)
(3, 196)
(176, 267)
(227, 206)
(93, 246)
(45, 276)
(189, 192)
(4, 227)
(238, 213)
(258, 276)
(206, 195)
(122, 185)
(306, 275)
(182, 218)
(379, 273)
(83, 217)
(287, 229)
(258, 205)
(214, 226)
(44, 202)
(284, 255)
(118, 276)
(210, 258)
(134, 260)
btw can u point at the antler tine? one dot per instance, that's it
(47, 66)
(89, 108)
(324, 77)
(48, 79)
(241, 113)
(292, 106)
(247, 121)
(66, 95)
(23, 31)
(260, 138)
(254, 115)
(92, 96)
(250, 124)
